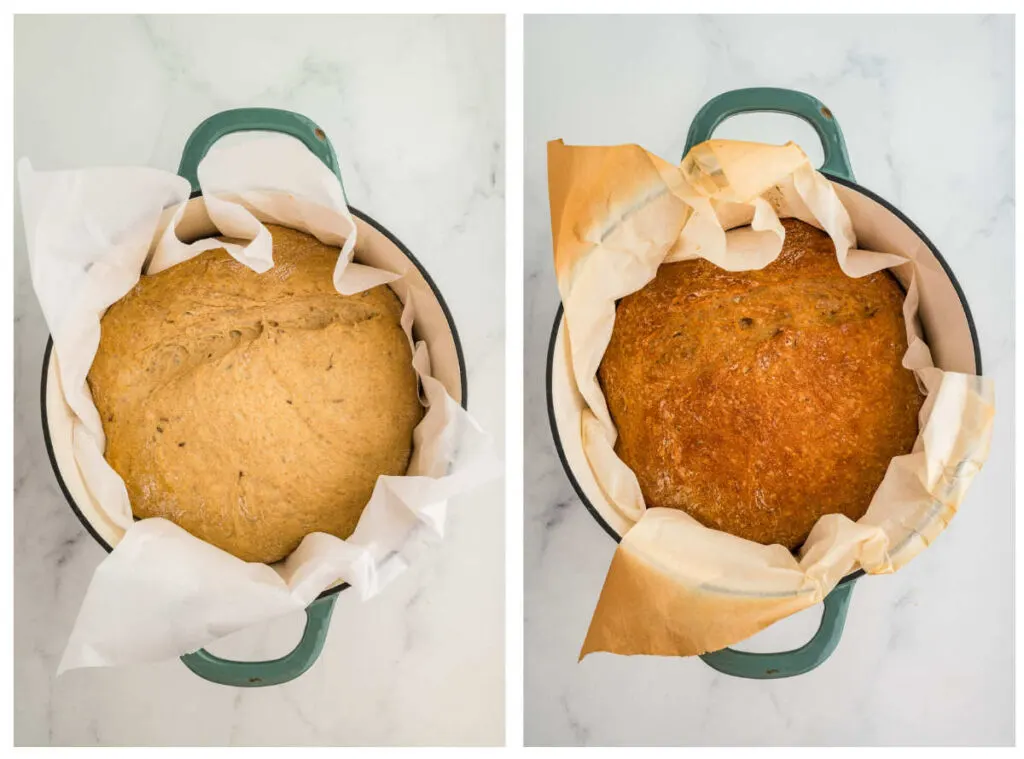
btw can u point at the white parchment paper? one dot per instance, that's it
(161, 593)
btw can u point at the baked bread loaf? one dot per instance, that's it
(759, 401)
(253, 409)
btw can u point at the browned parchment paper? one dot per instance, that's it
(675, 587)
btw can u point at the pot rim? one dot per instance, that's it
(355, 212)
(847, 183)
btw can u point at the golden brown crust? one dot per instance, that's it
(252, 409)
(758, 401)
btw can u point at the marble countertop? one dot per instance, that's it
(415, 108)
(926, 104)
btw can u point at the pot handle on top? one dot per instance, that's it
(255, 120)
(256, 674)
(776, 100)
(798, 661)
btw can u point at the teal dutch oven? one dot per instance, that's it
(376, 246)
(879, 226)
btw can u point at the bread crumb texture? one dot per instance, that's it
(759, 401)
(253, 409)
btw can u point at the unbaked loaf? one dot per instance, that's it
(758, 401)
(253, 409)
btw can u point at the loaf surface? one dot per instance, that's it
(252, 409)
(759, 401)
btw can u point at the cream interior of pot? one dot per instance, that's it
(944, 321)
(372, 248)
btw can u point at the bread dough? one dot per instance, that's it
(253, 409)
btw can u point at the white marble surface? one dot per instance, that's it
(927, 108)
(415, 108)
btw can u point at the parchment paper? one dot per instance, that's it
(674, 586)
(162, 592)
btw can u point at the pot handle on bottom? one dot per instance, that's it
(256, 674)
(776, 100)
(255, 120)
(798, 661)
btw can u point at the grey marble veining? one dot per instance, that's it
(415, 108)
(926, 105)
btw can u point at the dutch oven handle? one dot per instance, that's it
(318, 614)
(255, 120)
(798, 661)
(837, 163)
(255, 674)
(776, 100)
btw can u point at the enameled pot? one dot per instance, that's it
(945, 317)
(376, 246)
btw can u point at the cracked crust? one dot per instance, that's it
(252, 409)
(759, 401)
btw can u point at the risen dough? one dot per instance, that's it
(252, 409)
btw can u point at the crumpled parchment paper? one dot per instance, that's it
(162, 592)
(674, 586)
